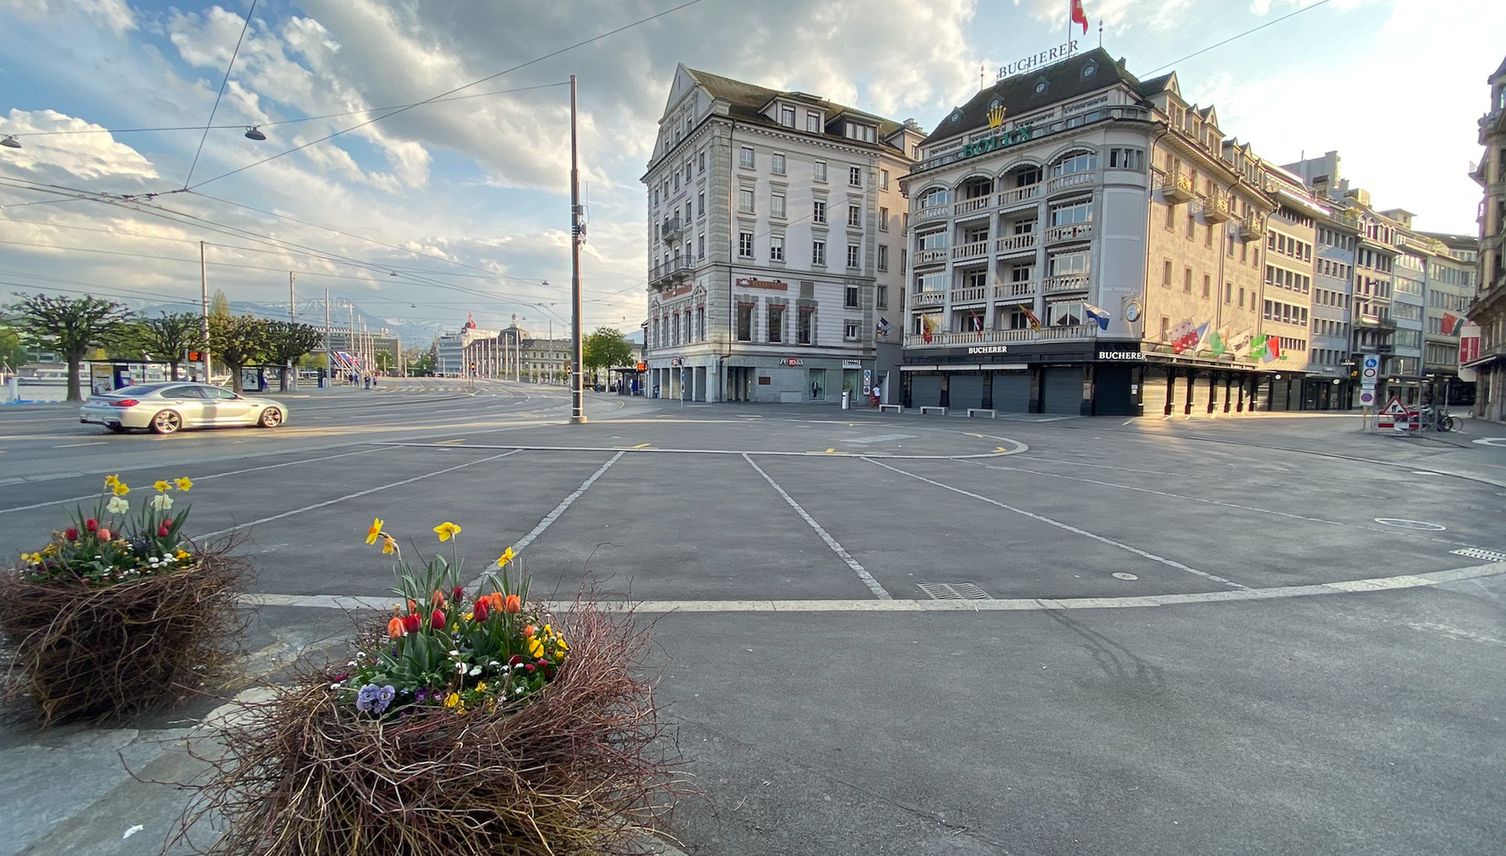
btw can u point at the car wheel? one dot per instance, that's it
(167, 422)
(270, 418)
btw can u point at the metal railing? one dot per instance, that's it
(1070, 232)
(1022, 242)
(1069, 282)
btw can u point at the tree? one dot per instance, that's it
(165, 337)
(286, 341)
(238, 341)
(606, 348)
(420, 361)
(70, 326)
(13, 352)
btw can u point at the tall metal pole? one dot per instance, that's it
(329, 355)
(204, 314)
(577, 235)
(292, 316)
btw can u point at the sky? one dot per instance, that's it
(462, 206)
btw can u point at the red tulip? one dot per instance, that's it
(458, 593)
(480, 611)
(163, 530)
(529, 667)
(70, 533)
(514, 660)
(411, 623)
(436, 620)
(104, 534)
(92, 525)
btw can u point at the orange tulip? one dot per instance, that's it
(395, 628)
(528, 631)
(437, 598)
(512, 603)
(412, 605)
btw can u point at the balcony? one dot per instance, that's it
(1015, 292)
(969, 294)
(930, 257)
(970, 337)
(1069, 282)
(670, 272)
(920, 299)
(974, 250)
(935, 212)
(1070, 181)
(975, 206)
(1018, 197)
(1174, 187)
(1071, 232)
(1022, 243)
(1214, 209)
(672, 230)
(1252, 228)
(1068, 331)
(1374, 322)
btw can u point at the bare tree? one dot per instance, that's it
(70, 326)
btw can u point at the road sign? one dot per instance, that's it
(1372, 361)
(1395, 407)
(1367, 397)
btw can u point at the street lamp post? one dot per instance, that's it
(577, 237)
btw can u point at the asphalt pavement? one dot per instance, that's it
(890, 634)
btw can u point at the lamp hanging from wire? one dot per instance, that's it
(10, 142)
(254, 133)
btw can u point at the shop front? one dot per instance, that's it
(1067, 378)
(797, 379)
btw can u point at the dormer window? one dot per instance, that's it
(787, 116)
(866, 133)
(813, 122)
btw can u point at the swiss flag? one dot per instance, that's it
(1078, 15)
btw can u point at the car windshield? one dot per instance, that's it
(137, 391)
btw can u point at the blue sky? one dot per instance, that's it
(467, 200)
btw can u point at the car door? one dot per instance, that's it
(228, 408)
(189, 403)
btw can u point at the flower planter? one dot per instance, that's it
(82, 651)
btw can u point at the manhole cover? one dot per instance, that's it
(1121, 575)
(1401, 523)
(953, 591)
(1477, 553)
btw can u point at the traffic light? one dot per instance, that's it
(193, 356)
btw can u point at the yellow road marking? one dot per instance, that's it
(829, 451)
(455, 440)
(643, 445)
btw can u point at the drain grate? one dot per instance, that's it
(953, 591)
(1477, 553)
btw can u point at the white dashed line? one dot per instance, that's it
(565, 504)
(862, 572)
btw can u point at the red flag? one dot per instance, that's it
(1079, 16)
(1273, 347)
(1451, 323)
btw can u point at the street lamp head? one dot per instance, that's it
(10, 142)
(254, 133)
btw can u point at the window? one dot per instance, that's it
(1072, 213)
(818, 211)
(813, 122)
(776, 322)
(700, 204)
(1121, 158)
(883, 179)
(1208, 236)
(854, 216)
(745, 200)
(701, 162)
(776, 163)
(819, 169)
(1187, 281)
(746, 159)
(1228, 292)
(776, 206)
(1069, 264)
(883, 257)
(855, 176)
(854, 256)
(1191, 223)
(818, 253)
(1207, 286)
(850, 300)
(850, 331)
(1073, 163)
(881, 297)
(787, 116)
(883, 219)
(745, 244)
(1242, 298)
(803, 326)
(1171, 217)
(745, 322)
(700, 247)
(776, 248)
(700, 323)
(904, 259)
(1166, 274)
(1063, 314)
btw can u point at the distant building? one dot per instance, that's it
(456, 356)
(1488, 311)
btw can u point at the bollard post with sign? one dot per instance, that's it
(1369, 372)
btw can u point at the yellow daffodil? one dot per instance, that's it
(452, 700)
(162, 486)
(120, 488)
(111, 480)
(469, 616)
(507, 556)
(481, 687)
(389, 544)
(184, 483)
(446, 531)
(374, 531)
(535, 647)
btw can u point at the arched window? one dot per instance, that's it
(935, 197)
(1074, 162)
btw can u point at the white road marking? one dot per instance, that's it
(862, 572)
(1365, 586)
(1170, 563)
(247, 525)
(76, 445)
(1018, 448)
(565, 503)
(195, 478)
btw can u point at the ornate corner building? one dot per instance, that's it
(1488, 358)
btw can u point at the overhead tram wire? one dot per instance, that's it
(245, 25)
(388, 115)
(1237, 36)
(277, 122)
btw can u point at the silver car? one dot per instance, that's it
(167, 407)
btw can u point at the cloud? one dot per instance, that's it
(86, 153)
(113, 15)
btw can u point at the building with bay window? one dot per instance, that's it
(776, 248)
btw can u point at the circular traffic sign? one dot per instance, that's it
(1372, 362)
(1367, 397)
(1369, 372)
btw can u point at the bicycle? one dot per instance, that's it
(1438, 419)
